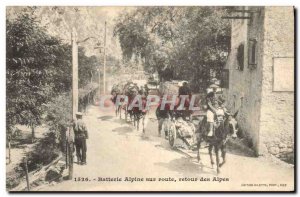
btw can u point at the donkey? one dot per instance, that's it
(117, 105)
(138, 115)
(115, 92)
(130, 91)
(225, 129)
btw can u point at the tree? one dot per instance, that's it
(31, 61)
(177, 42)
(38, 69)
(87, 67)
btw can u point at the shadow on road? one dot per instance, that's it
(105, 118)
(123, 130)
(122, 121)
(186, 167)
(146, 138)
(240, 149)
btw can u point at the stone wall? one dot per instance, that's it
(244, 93)
(266, 117)
(277, 108)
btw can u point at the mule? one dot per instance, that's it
(140, 114)
(118, 107)
(130, 92)
(225, 129)
(115, 92)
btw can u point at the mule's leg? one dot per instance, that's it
(138, 123)
(160, 126)
(210, 147)
(132, 116)
(144, 123)
(134, 120)
(217, 159)
(198, 149)
(223, 152)
(167, 130)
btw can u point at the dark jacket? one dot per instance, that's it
(80, 129)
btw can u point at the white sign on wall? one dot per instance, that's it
(283, 74)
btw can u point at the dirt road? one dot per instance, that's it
(116, 150)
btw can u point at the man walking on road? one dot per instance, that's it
(81, 134)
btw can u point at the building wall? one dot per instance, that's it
(277, 108)
(244, 93)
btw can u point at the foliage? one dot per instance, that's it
(59, 114)
(87, 68)
(45, 151)
(34, 75)
(39, 80)
(39, 69)
(177, 42)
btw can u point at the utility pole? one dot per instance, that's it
(99, 69)
(74, 73)
(104, 63)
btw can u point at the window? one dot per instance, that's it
(240, 57)
(252, 58)
(225, 78)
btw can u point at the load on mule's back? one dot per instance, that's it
(129, 95)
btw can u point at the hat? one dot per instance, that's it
(79, 114)
(214, 86)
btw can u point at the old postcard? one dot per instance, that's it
(154, 98)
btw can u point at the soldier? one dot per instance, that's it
(162, 115)
(211, 111)
(81, 134)
(184, 89)
(146, 89)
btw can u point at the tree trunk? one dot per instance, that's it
(32, 134)
(92, 74)
(26, 173)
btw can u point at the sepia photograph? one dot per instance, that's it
(150, 98)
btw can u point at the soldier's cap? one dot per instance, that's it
(79, 114)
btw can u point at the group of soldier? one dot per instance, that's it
(215, 109)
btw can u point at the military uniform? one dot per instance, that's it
(81, 134)
(162, 115)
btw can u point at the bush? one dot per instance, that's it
(59, 116)
(45, 151)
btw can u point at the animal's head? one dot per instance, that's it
(233, 125)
